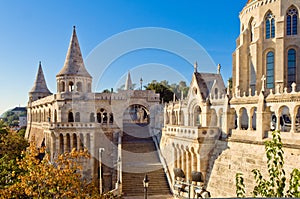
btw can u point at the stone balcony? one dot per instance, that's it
(191, 132)
(251, 136)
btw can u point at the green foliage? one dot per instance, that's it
(11, 118)
(294, 184)
(167, 91)
(274, 186)
(11, 144)
(24, 175)
(240, 187)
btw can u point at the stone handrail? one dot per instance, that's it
(162, 160)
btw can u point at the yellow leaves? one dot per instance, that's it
(43, 179)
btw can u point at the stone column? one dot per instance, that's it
(183, 160)
(188, 164)
(194, 161)
(198, 162)
(71, 141)
(250, 118)
(65, 143)
(175, 157)
(278, 121)
(293, 125)
(179, 157)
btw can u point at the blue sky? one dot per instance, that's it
(33, 31)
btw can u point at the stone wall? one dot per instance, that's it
(234, 157)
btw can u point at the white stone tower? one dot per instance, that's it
(39, 89)
(128, 83)
(74, 77)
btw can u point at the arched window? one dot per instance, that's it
(89, 87)
(292, 21)
(111, 118)
(92, 117)
(74, 141)
(216, 93)
(77, 117)
(71, 86)
(270, 70)
(79, 86)
(49, 115)
(62, 86)
(61, 143)
(270, 26)
(291, 68)
(251, 29)
(55, 116)
(70, 117)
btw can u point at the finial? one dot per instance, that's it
(74, 27)
(195, 67)
(40, 63)
(228, 87)
(219, 68)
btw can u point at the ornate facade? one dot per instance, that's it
(221, 132)
(76, 117)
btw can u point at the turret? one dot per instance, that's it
(39, 89)
(74, 77)
(128, 83)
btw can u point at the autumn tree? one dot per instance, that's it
(11, 144)
(42, 178)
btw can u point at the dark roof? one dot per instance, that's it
(19, 109)
(206, 81)
(74, 64)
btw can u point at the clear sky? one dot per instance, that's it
(34, 30)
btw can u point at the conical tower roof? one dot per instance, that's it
(128, 83)
(40, 85)
(74, 63)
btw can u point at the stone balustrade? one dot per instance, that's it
(192, 132)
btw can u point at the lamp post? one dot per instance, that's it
(146, 184)
(141, 82)
(100, 169)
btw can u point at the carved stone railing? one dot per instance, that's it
(191, 132)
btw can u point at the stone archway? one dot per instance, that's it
(136, 114)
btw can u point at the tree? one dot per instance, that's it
(274, 186)
(11, 144)
(59, 179)
(165, 92)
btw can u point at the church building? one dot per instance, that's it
(76, 117)
(221, 132)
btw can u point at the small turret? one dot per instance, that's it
(39, 89)
(74, 77)
(128, 83)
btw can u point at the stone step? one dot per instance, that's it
(133, 183)
(139, 156)
(143, 147)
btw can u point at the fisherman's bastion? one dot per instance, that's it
(219, 129)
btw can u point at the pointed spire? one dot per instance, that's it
(195, 67)
(128, 83)
(40, 85)
(74, 64)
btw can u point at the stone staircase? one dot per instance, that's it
(139, 156)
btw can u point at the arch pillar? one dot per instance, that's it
(183, 160)
(188, 164)
(179, 157)
(250, 120)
